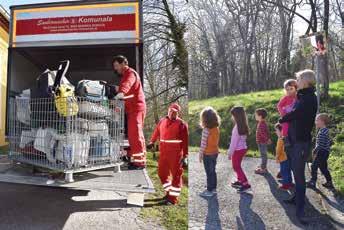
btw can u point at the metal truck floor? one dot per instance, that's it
(133, 181)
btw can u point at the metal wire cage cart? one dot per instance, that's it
(68, 135)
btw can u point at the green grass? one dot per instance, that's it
(172, 217)
(334, 105)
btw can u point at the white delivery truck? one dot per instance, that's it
(71, 135)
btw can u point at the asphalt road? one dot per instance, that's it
(25, 207)
(262, 209)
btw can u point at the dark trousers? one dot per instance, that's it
(298, 154)
(209, 162)
(286, 172)
(320, 162)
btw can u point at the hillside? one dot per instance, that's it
(268, 100)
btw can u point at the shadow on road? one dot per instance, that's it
(248, 218)
(213, 221)
(34, 207)
(311, 212)
(334, 204)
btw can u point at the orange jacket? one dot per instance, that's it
(173, 136)
(280, 153)
(210, 141)
(131, 87)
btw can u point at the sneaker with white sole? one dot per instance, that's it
(206, 193)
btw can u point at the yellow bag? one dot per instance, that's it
(65, 101)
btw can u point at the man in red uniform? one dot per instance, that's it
(172, 132)
(130, 90)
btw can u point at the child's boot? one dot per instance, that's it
(311, 184)
(236, 184)
(328, 185)
(244, 188)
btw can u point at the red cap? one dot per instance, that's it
(175, 107)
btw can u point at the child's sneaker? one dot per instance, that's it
(311, 184)
(279, 176)
(286, 187)
(236, 184)
(260, 171)
(206, 193)
(244, 188)
(328, 185)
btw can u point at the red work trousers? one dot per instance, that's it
(237, 158)
(170, 172)
(137, 150)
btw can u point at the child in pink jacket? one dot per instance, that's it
(238, 147)
(284, 106)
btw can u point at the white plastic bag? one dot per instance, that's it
(74, 149)
(27, 137)
(94, 110)
(43, 140)
(23, 109)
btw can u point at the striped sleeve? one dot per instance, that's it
(323, 141)
(204, 140)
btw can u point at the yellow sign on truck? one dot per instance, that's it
(4, 38)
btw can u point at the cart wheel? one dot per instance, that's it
(117, 169)
(69, 177)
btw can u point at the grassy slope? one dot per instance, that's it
(268, 100)
(172, 217)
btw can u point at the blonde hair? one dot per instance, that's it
(307, 75)
(324, 117)
(209, 118)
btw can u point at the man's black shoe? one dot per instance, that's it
(302, 221)
(125, 159)
(134, 167)
(168, 203)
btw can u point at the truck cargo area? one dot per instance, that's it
(86, 35)
(86, 62)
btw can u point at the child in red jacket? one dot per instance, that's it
(262, 139)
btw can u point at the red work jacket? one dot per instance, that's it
(173, 136)
(131, 87)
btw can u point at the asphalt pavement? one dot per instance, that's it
(263, 208)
